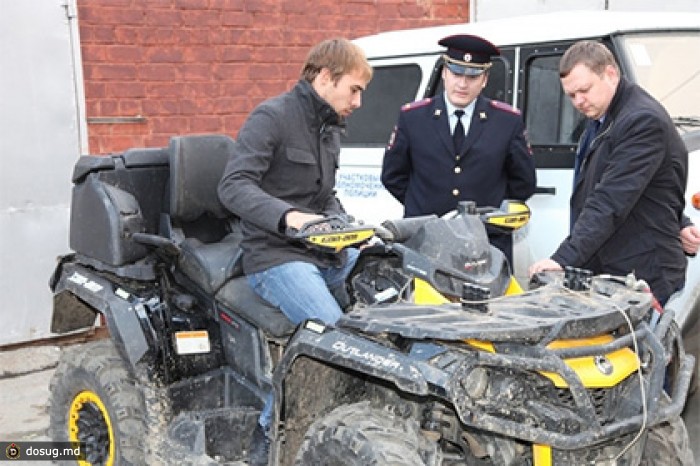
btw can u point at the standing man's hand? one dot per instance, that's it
(542, 265)
(690, 238)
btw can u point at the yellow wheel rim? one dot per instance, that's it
(89, 407)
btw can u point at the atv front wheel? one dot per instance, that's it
(691, 342)
(95, 400)
(668, 445)
(360, 435)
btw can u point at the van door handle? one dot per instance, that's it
(546, 190)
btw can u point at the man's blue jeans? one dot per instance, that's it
(302, 291)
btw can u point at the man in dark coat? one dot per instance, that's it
(281, 174)
(459, 145)
(628, 196)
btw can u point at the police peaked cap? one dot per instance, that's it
(467, 54)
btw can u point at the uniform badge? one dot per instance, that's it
(437, 113)
(504, 106)
(482, 115)
(467, 57)
(392, 138)
(416, 104)
(527, 141)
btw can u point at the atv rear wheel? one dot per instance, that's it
(95, 400)
(360, 435)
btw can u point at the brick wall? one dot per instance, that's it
(157, 68)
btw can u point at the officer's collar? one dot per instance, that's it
(468, 110)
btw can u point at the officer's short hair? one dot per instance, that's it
(339, 55)
(590, 53)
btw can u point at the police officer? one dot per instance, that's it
(460, 145)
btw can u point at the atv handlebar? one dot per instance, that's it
(509, 216)
(402, 229)
(337, 232)
(332, 233)
(333, 223)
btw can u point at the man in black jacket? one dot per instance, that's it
(281, 174)
(630, 179)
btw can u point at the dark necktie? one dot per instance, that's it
(588, 137)
(458, 134)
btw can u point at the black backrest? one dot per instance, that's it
(196, 165)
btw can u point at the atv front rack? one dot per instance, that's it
(547, 313)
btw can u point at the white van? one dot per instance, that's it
(660, 51)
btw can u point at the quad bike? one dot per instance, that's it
(440, 359)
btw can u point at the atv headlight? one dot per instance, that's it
(475, 382)
(470, 383)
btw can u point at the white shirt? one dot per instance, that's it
(466, 118)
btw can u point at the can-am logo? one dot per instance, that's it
(471, 265)
(604, 365)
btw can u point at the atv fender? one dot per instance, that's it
(124, 313)
(319, 371)
(344, 349)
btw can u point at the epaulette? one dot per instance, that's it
(504, 106)
(416, 104)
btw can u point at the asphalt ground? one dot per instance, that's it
(24, 391)
(25, 375)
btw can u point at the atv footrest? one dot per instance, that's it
(223, 433)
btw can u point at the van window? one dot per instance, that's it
(650, 56)
(389, 89)
(550, 117)
(497, 85)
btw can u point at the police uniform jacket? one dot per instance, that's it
(424, 172)
(285, 157)
(627, 204)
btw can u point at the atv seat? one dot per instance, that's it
(208, 237)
